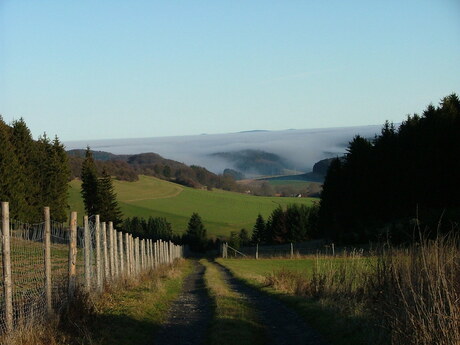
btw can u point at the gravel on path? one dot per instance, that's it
(190, 315)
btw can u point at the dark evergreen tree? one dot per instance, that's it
(12, 187)
(296, 218)
(196, 235)
(107, 201)
(89, 185)
(244, 237)
(258, 231)
(29, 170)
(159, 228)
(276, 229)
(59, 178)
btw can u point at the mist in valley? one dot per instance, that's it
(300, 148)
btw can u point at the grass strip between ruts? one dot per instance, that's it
(235, 321)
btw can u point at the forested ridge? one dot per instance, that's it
(405, 176)
(128, 167)
(34, 173)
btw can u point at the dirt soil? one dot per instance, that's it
(190, 314)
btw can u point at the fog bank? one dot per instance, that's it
(301, 147)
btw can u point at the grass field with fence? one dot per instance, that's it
(44, 264)
(400, 296)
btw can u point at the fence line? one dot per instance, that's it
(287, 250)
(43, 264)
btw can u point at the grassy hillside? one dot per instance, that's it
(221, 211)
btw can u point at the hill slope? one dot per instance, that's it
(221, 211)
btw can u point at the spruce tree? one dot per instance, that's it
(107, 201)
(11, 183)
(89, 185)
(258, 231)
(28, 173)
(196, 233)
(59, 174)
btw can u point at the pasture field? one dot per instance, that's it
(221, 211)
(255, 271)
(291, 183)
(314, 287)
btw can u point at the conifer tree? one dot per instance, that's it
(107, 201)
(25, 149)
(59, 177)
(258, 231)
(89, 185)
(11, 183)
(196, 233)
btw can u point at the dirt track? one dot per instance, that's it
(191, 313)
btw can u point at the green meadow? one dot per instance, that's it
(221, 211)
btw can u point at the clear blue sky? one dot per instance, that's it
(120, 69)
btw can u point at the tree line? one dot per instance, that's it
(403, 177)
(33, 173)
(295, 223)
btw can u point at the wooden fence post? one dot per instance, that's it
(49, 301)
(6, 255)
(112, 263)
(155, 255)
(136, 255)
(120, 249)
(160, 253)
(142, 254)
(72, 254)
(147, 253)
(138, 260)
(131, 251)
(292, 251)
(116, 255)
(257, 251)
(128, 255)
(98, 255)
(106, 252)
(87, 239)
(152, 249)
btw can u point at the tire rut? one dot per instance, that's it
(190, 315)
(284, 326)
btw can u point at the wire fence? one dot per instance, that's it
(44, 264)
(289, 250)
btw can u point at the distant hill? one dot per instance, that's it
(255, 162)
(128, 167)
(317, 175)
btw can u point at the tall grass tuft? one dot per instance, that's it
(420, 292)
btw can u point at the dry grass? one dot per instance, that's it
(420, 292)
(411, 295)
(75, 325)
